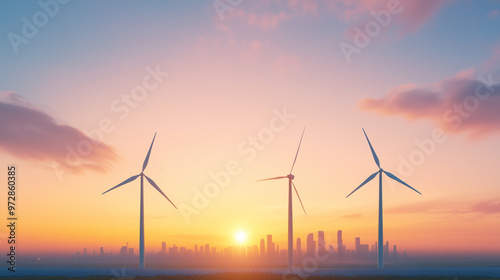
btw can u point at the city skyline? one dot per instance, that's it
(316, 248)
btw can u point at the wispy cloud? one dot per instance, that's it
(353, 216)
(286, 64)
(29, 133)
(305, 7)
(258, 15)
(493, 14)
(487, 206)
(442, 206)
(267, 21)
(412, 16)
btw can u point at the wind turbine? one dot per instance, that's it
(290, 214)
(380, 257)
(142, 175)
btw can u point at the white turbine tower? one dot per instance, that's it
(290, 214)
(380, 257)
(142, 175)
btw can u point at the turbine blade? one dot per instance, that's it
(399, 180)
(123, 183)
(149, 153)
(297, 150)
(274, 178)
(362, 184)
(373, 151)
(299, 198)
(158, 189)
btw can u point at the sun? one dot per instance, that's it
(240, 237)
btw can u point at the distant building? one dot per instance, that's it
(340, 246)
(330, 250)
(321, 243)
(386, 249)
(270, 246)
(311, 245)
(173, 251)
(207, 250)
(299, 250)
(395, 254)
(262, 248)
(163, 248)
(124, 250)
(362, 250)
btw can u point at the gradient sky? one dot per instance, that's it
(433, 68)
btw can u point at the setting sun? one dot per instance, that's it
(240, 237)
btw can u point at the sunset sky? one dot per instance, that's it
(229, 86)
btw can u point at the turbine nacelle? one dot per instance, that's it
(290, 176)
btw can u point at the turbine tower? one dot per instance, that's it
(290, 213)
(142, 175)
(380, 257)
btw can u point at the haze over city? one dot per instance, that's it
(228, 87)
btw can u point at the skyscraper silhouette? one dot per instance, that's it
(207, 250)
(270, 246)
(262, 248)
(340, 246)
(299, 250)
(321, 243)
(358, 244)
(311, 245)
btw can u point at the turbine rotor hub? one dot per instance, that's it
(290, 176)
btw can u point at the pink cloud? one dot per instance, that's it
(305, 7)
(353, 216)
(267, 21)
(465, 73)
(460, 104)
(448, 207)
(32, 134)
(493, 14)
(411, 15)
(434, 206)
(286, 64)
(256, 45)
(268, 15)
(487, 207)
